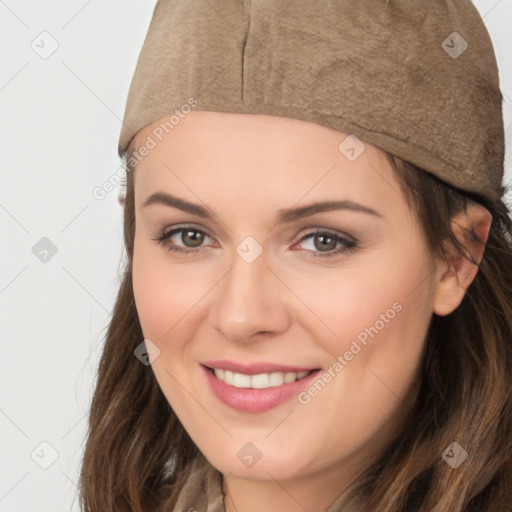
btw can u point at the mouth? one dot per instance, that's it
(257, 381)
(256, 388)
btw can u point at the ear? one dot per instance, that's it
(121, 197)
(471, 228)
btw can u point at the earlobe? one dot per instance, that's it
(471, 229)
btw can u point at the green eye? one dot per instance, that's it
(329, 241)
(195, 237)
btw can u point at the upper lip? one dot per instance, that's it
(255, 368)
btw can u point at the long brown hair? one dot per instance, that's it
(137, 453)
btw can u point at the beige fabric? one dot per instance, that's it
(203, 491)
(392, 72)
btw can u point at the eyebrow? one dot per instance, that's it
(284, 215)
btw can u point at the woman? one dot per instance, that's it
(316, 311)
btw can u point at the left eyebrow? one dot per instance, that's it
(284, 216)
(292, 214)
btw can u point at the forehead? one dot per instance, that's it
(244, 154)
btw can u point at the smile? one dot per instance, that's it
(255, 388)
(259, 381)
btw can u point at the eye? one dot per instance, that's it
(190, 236)
(324, 244)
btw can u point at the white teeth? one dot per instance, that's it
(276, 379)
(228, 377)
(260, 381)
(241, 381)
(289, 377)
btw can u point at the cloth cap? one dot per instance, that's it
(418, 79)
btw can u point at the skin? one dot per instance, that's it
(286, 306)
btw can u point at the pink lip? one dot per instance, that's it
(254, 369)
(255, 400)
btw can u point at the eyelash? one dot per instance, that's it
(350, 245)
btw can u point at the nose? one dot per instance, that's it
(250, 302)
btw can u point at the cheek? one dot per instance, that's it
(167, 300)
(380, 319)
(375, 318)
(164, 293)
(386, 291)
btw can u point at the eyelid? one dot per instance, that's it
(351, 243)
(309, 230)
(166, 234)
(328, 231)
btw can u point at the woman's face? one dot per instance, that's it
(273, 287)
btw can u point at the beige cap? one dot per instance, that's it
(418, 79)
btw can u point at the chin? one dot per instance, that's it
(265, 464)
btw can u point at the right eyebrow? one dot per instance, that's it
(176, 202)
(284, 216)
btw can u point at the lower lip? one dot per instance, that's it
(255, 400)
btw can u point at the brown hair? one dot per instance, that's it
(137, 453)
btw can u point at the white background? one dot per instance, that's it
(60, 120)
